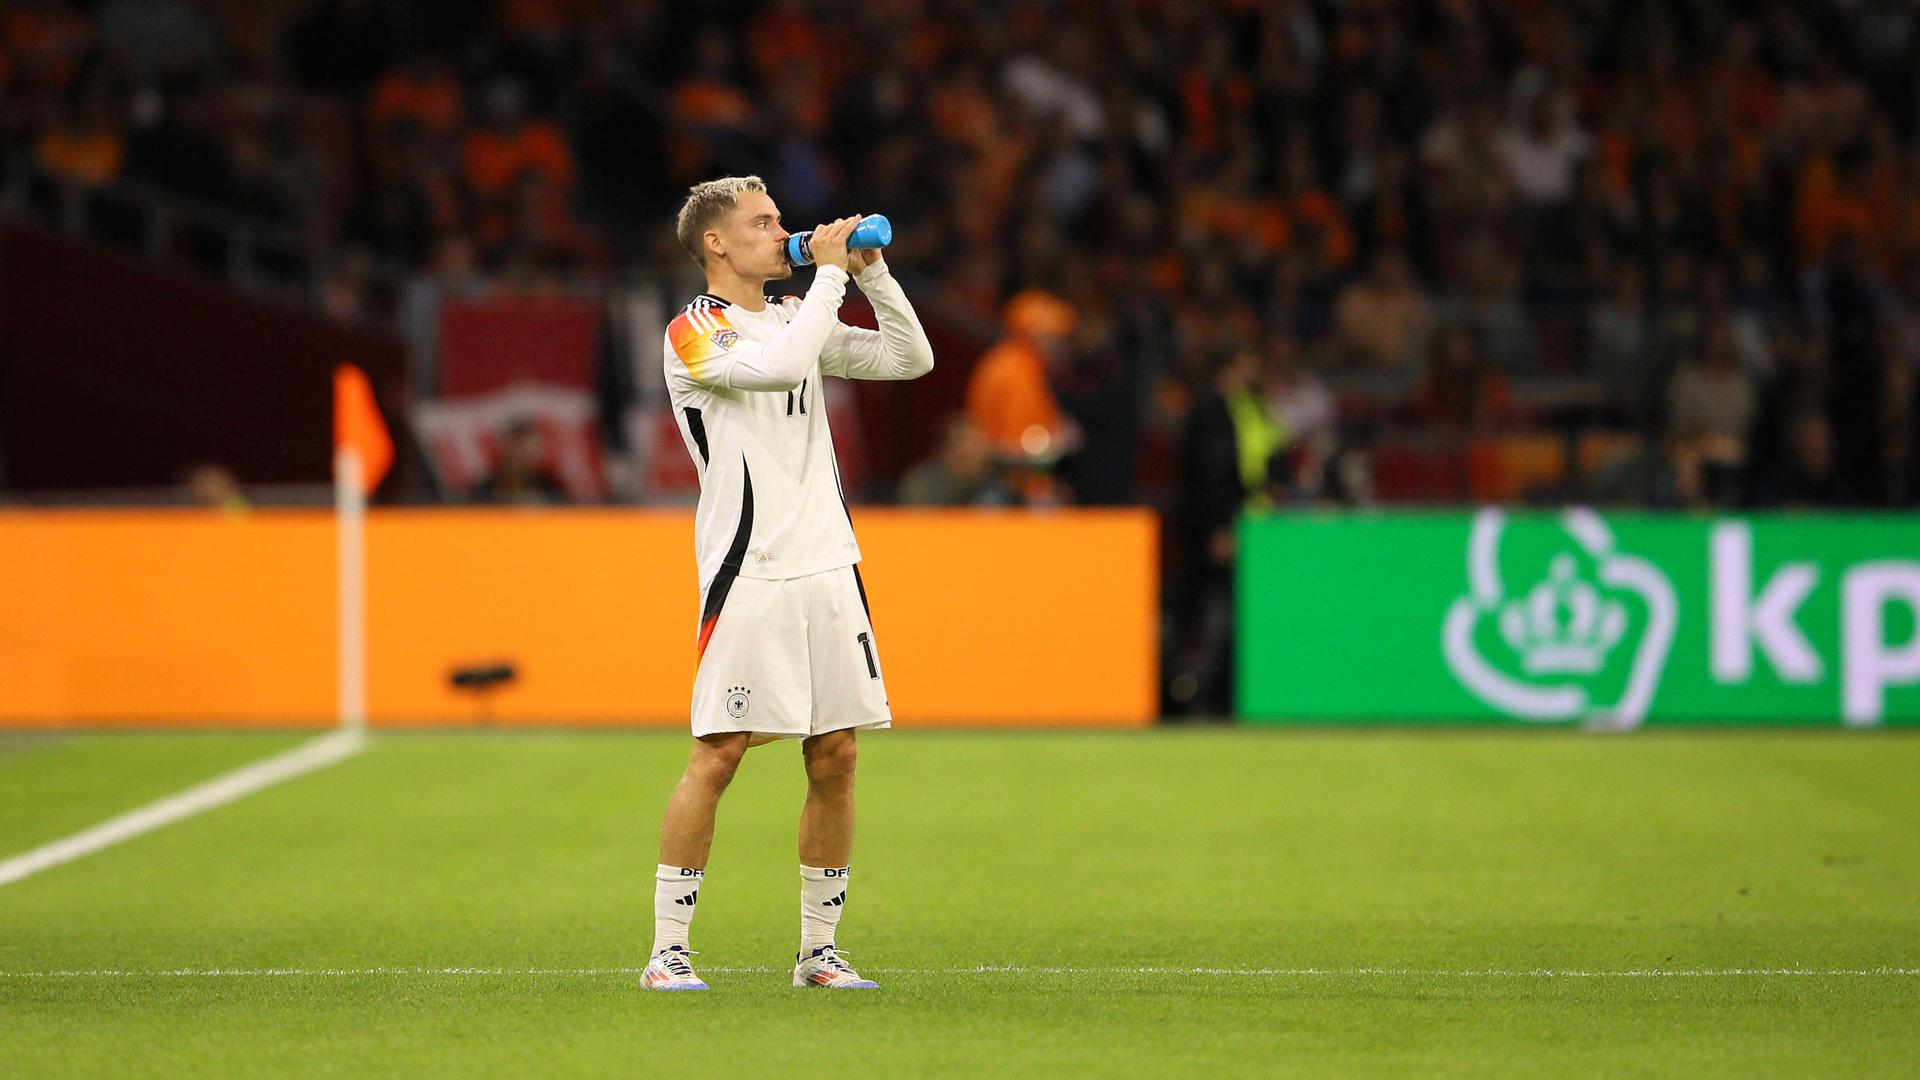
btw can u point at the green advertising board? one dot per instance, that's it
(1579, 617)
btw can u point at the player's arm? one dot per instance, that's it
(898, 350)
(716, 355)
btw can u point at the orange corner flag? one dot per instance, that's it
(357, 424)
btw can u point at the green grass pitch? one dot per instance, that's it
(1366, 904)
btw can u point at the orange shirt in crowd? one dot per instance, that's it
(435, 103)
(1008, 394)
(1751, 103)
(493, 161)
(783, 37)
(44, 44)
(704, 103)
(1317, 211)
(93, 157)
(1825, 209)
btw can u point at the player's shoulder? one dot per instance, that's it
(787, 304)
(706, 304)
(703, 315)
(700, 332)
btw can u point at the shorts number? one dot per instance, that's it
(866, 646)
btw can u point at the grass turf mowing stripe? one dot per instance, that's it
(219, 791)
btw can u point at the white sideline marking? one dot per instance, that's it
(218, 791)
(1303, 972)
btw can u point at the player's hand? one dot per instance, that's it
(861, 258)
(830, 243)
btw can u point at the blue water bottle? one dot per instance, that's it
(874, 231)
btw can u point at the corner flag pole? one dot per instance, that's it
(350, 542)
(362, 453)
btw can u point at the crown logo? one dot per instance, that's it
(1562, 627)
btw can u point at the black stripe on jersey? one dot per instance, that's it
(837, 486)
(698, 428)
(862, 586)
(736, 555)
(703, 302)
(847, 510)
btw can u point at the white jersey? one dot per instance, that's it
(747, 393)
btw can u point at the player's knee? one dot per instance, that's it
(715, 761)
(831, 761)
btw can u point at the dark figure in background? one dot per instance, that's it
(963, 473)
(522, 478)
(1227, 456)
(1711, 406)
(1100, 391)
(1463, 389)
(1846, 298)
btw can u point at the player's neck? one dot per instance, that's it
(735, 289)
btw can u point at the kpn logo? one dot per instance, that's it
(1558, 623)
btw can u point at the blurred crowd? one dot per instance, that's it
(1226, 248)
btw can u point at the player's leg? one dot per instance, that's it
(848, 694)
(826, 836)
(686, 837)
(826, 848)
(751, 684)
(826, 821)
(686, 830)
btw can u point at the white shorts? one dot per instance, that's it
(788, 658)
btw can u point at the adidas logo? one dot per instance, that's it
(836, 901)
(690, 899)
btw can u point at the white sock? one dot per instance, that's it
(676, 889)
(823, 896)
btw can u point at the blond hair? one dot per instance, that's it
(706, 204)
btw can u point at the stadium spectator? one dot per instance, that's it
(522, 476)
(1805, 476)
(1591, 190)
(165, 149)
(1395, 214)
(86, 146)
(1647, 476)
(394, 219)
(712, 104)
(1010, 397)
(256, 188)
(1543, 148)
(1299, 399)
(1488, 300)
(1229, 459)
(1463, 389)
(1712, 403)
(1618, 353)
(510, 143)
(962, 473)
(1313, 223)
(1382, 320)
(422, 92)
(214, 487)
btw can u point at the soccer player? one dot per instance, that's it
(786, 647)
